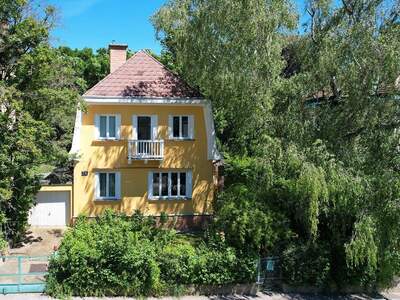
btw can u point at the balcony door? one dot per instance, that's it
(145, 143)
(144, 128)
(144, 134)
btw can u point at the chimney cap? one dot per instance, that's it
(117, 46)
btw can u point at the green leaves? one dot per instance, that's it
(362, 249)
(232, 52)
(308, 124)
(39, 94)
(119, 255)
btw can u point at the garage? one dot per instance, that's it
(51, 209)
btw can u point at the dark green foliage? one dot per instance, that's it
(24, 147)
(247, 225)
(309, 128)
(129, 256)
(39, 94)
(90, 66)
(306, 265)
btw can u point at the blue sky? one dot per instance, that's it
(96, 23)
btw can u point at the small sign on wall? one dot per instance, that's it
(84, 173)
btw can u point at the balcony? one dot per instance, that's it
(145, 150)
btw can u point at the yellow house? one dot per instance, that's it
(146, 141)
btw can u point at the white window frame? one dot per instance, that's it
(188, 186)
(190, 127)
(117, 185)
(117, 126)
(153, 124)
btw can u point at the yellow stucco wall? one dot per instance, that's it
(112, 155)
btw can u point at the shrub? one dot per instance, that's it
(177, 262)
(306, 265)
(117, 255)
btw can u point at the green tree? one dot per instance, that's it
(91, 66)
(352, 55)
(39, 93)
(309, 125)
(232, 52)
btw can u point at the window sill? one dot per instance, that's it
(107, 139)
(167, 198)
(181, 139)
(107, 199)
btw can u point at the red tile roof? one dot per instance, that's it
(142, 76)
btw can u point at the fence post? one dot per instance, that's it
(19, 273)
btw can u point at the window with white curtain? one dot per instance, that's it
(170, 185)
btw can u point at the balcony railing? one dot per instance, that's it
(145, 150)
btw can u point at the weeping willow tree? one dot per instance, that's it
(309, 127)
(231, 50)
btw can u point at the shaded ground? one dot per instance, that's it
(39, 241)
(260, 296)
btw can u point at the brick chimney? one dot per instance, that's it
(117, 56)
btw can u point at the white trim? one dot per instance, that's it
(170, 125)
(150, 185)
(117, 185)
(117, 118)
(96, 126)
(134, 127)
(191, 126)
(77, 133)
(213, 153)
(143, 100)
(154, 127)
(118, 126)
(189, 184)
(96, 185)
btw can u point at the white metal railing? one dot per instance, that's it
(145, 149)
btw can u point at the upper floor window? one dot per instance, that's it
(181, 127)
(108, 185)
(107, 127)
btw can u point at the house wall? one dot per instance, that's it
(112, 155)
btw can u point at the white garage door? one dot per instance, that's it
(51, 209)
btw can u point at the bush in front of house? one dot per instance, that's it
(117, 255)
(306, 265)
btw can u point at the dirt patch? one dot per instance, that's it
(39, 241)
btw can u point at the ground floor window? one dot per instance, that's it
(170, 184)
(108, 185)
